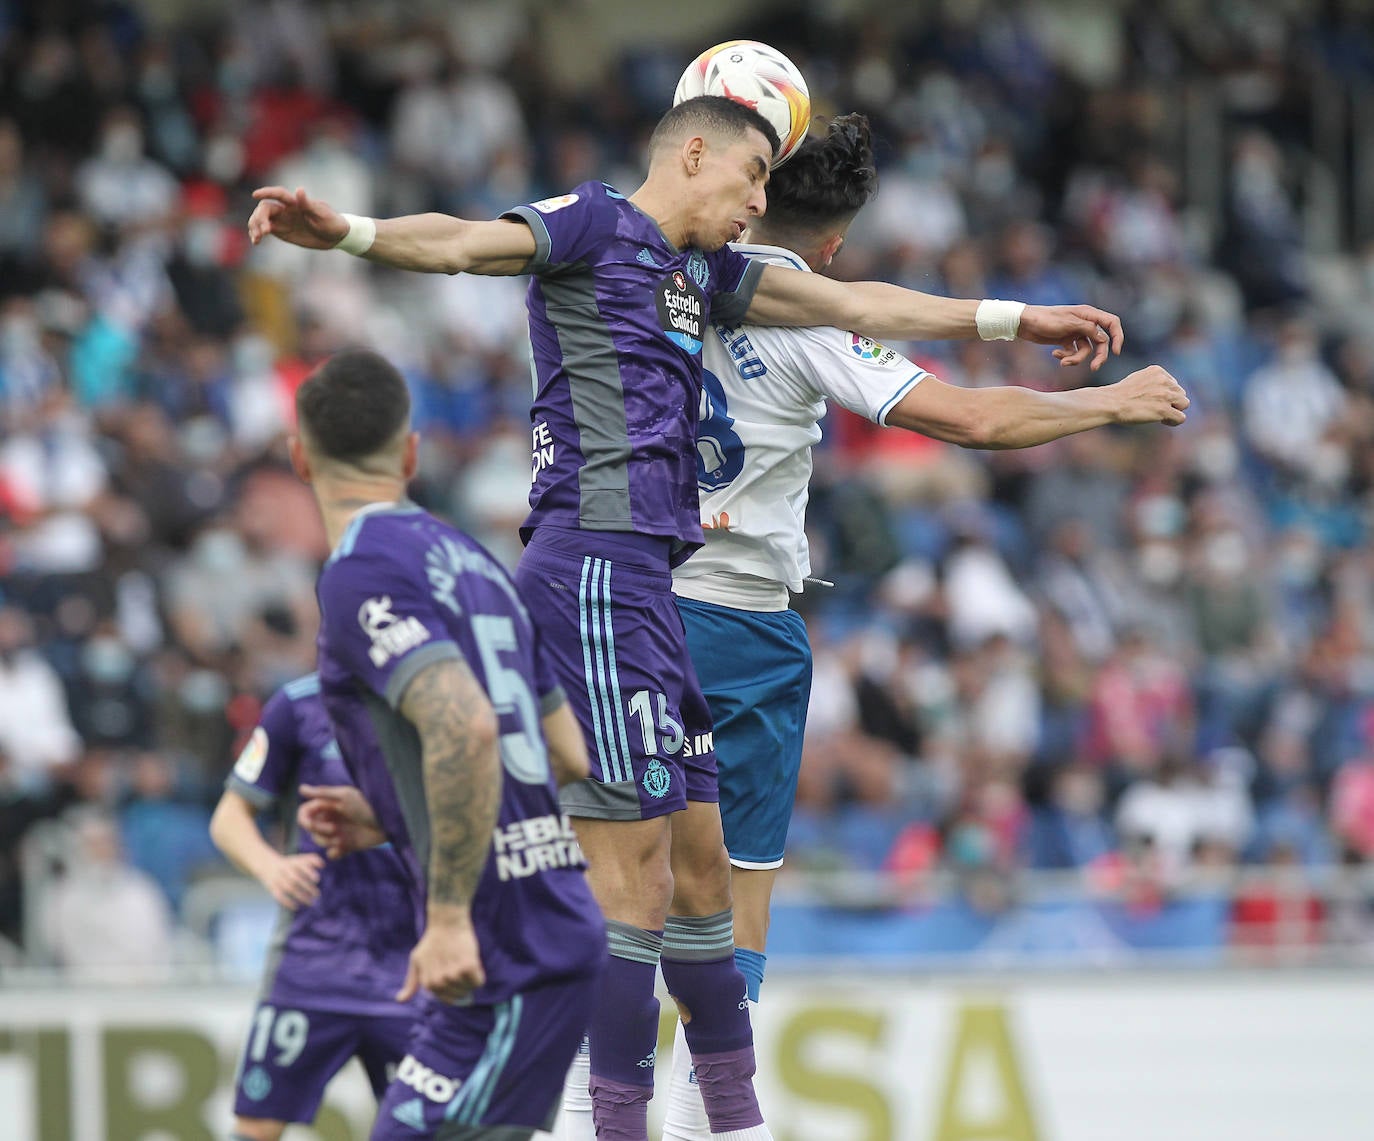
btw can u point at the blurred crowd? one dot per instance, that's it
(1135, 649)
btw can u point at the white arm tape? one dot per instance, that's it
(998, 320)
(362, 232)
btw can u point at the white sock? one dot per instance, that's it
(575, 1115)
(685, 1119)
(753, 1133)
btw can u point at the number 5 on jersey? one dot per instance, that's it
(522, 752)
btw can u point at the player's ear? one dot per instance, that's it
(410, 458)
(692, 151)
(300, 462)
(831, 248)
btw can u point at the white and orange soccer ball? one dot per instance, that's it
(759, 77)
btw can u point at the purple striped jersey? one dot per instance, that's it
(400, 592)
(617, 318)
(347, 952)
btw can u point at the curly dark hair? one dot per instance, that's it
(828, 180)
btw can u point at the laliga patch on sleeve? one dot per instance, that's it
(549, 205)
(870, 350)
(249, 765)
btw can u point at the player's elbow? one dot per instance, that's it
(455, 259)
(220, 826)
(977, 432)
(482, 729)
(462, 251)
(963, 429)
(217, 831)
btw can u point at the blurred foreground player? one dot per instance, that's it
(434, 680)
(340, 950)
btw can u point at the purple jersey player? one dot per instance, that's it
(625, 288)
(453, 731)
(343, 939)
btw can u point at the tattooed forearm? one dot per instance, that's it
(458, 737)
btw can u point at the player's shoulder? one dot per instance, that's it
(587, 197)
(771, 255)
(384, 542)
(381, 532)
(300, 689)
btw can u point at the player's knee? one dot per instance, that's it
(701, 884)
(658, 884)
(637, 892)
(257, 1129)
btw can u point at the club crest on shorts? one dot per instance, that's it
(657, 779)
(256, 1084)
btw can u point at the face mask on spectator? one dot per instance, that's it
(18, 335)
(203, 691)
(1159, 564)
(122, 143)
(1216, 458)
(1226, 555)
(220, 551)
(201, 241)
(1299, 562)
(224, 159)
(1330, 463)
(107, 660)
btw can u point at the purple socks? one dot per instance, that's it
(624, 1034)
(700, 970)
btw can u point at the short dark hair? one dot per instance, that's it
(353, 405)
(827, 180)
(712, 113)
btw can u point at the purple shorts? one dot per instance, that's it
(608, 622)
(292, 1054)
(497, 1066)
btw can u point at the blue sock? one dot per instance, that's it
(751, 964)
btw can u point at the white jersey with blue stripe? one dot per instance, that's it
(763, 396)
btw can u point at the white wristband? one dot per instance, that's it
(998, 320)
(362, 232)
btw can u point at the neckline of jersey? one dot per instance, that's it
(350, 536)
(653, 222)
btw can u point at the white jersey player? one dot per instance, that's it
(766, 391)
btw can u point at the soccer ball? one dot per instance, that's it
(759, 77)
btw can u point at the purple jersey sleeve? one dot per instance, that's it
(734, 278)
(381, 624)
(567, 229)
(267, 767)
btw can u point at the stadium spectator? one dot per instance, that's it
(152, 546)
(105, 919)
(36, 733)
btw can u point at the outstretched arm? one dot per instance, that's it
(1014, 417)
(429, 243)
(889, 312)
(459, 745)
